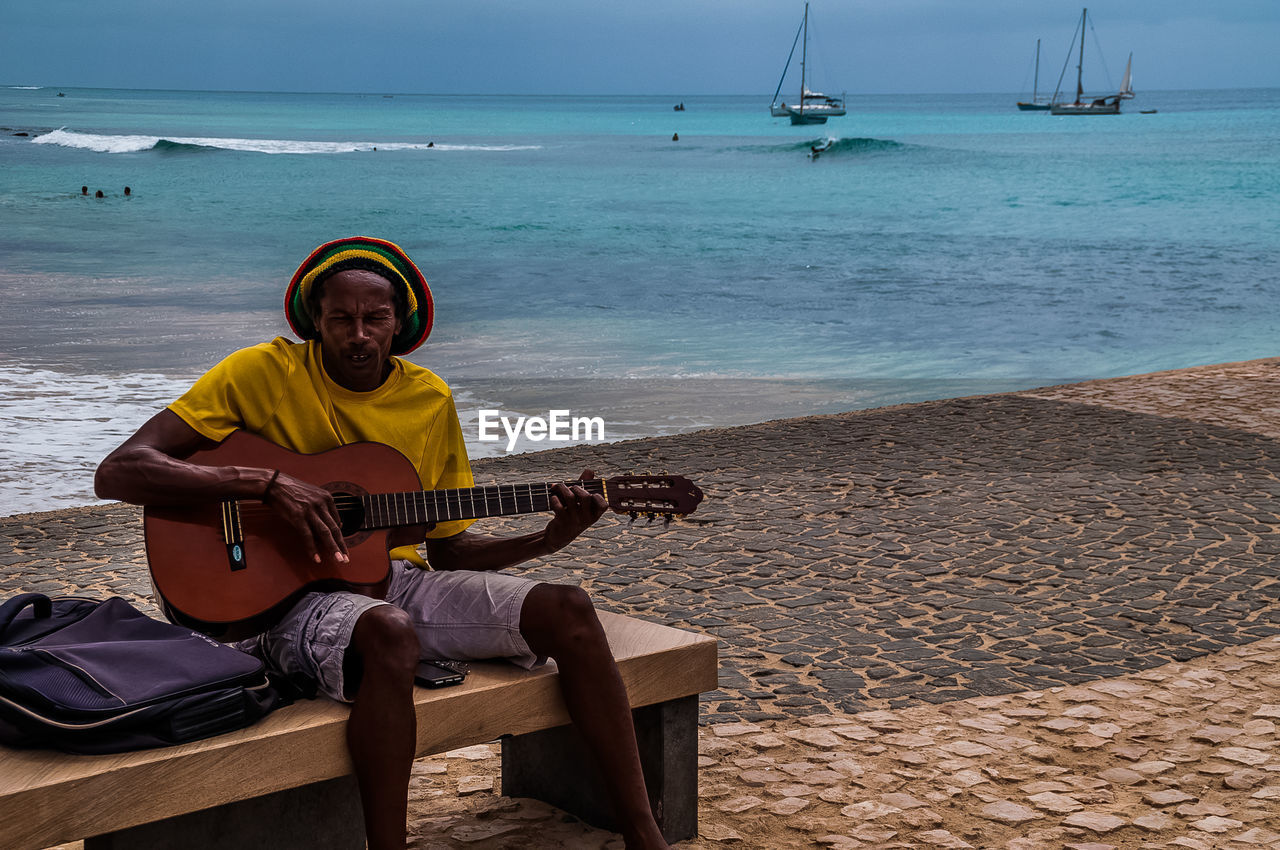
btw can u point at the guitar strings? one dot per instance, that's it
(484, 494)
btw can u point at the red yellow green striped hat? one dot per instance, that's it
(388, 259)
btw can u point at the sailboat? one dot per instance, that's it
(814, 107)
(1036, 105)
(1103, 105)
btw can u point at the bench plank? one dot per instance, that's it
(47, 798)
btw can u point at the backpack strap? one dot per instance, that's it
(10, 609)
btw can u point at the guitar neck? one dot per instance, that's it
(424, 507)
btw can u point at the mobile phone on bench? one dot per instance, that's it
(435, 674)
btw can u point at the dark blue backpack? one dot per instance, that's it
(92, 676)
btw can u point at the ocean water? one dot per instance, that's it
(582, 259)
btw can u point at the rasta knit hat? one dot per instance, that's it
(363, 252)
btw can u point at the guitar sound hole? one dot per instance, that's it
(350, 513)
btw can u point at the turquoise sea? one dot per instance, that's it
(582, 259)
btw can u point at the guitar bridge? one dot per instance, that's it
(233, 535)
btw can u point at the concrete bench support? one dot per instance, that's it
(322, 816)
(554, 766)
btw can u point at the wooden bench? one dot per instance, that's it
(285, 782)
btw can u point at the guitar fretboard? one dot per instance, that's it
(389, 510)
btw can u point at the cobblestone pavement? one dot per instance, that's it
(1238, 395)
(1178, 756)
(995, 599)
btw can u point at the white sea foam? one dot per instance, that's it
(132, 144)
(27, 88)
(56, 427)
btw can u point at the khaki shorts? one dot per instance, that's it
(459, 615)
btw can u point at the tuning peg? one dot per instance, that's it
(666, 521)
(633, 515)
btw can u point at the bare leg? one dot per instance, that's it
(382, 729)
(559, 621)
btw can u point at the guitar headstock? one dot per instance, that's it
(652, 495)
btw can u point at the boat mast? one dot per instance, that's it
(1080, 66)
(1035, 86)
(804, 54)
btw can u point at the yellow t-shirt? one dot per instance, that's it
(279, 390)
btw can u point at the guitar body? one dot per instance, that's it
(230, 569)
(204, 584)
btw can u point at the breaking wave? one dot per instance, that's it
(135, 144)
(832, 145)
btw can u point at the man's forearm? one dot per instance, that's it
(467, 551)
(145, 476)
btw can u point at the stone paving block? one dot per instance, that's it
(788, 806)
(1008, 812)
(1051, 801)
(1243, 755)
(1100, 822)
(475, 785)
(1216, 824)
(739, 804)
(1257, 837)
(942, 838)
(1154, 822)
(1167, 797)
(817, 737)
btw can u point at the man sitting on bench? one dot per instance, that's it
(358, 303)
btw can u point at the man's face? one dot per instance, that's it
(357, 324)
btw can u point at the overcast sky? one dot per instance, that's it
(675, 47)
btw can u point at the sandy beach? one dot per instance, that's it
(1033, 620)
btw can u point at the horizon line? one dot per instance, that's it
(384, 93)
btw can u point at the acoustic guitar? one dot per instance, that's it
(231, 568)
